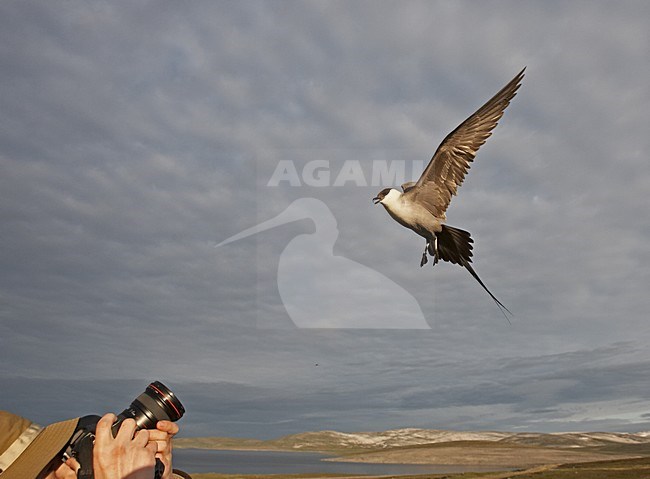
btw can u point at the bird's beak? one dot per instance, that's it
(376, 200)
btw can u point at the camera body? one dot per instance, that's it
(156, 403)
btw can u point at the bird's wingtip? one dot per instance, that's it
(522, 73)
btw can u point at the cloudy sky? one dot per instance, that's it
(136, 136)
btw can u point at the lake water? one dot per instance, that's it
(273, 462)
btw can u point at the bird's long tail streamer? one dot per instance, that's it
(455, 246)
(501, 306)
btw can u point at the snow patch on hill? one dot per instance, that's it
(415, 437)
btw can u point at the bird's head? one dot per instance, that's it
(381, 195)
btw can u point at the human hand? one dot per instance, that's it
(162, 437)
(125, 456)
(65, 470)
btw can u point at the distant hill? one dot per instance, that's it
(346, 443)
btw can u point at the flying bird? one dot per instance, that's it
(421, 205)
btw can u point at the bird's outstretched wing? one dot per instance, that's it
(407, 186)
(451, 161)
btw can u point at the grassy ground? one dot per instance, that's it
(615, 469)
(611, 461)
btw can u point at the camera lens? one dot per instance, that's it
(166, 399)
(156, 403)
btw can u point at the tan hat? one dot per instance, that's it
(26, 448)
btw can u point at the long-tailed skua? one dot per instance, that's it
(421, 205)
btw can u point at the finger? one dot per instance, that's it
(169, 427)
(141, 438)
(64, 472)
(127, 429)
(151, 448)
(163, 440)
(103, 429)
(59, 472)
(73, 464)
(161, 446)
(156, 435)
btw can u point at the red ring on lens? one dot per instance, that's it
(167, 401)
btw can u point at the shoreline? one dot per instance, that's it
(502, 458)
(521, 466)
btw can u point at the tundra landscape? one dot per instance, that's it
(225, 196)
(596, 455)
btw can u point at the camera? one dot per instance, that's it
(156, 403)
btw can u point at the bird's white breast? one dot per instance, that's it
(409, 214)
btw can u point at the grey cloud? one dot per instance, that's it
(135, 137)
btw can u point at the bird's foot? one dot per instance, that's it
(424, 259)
(436, 254)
